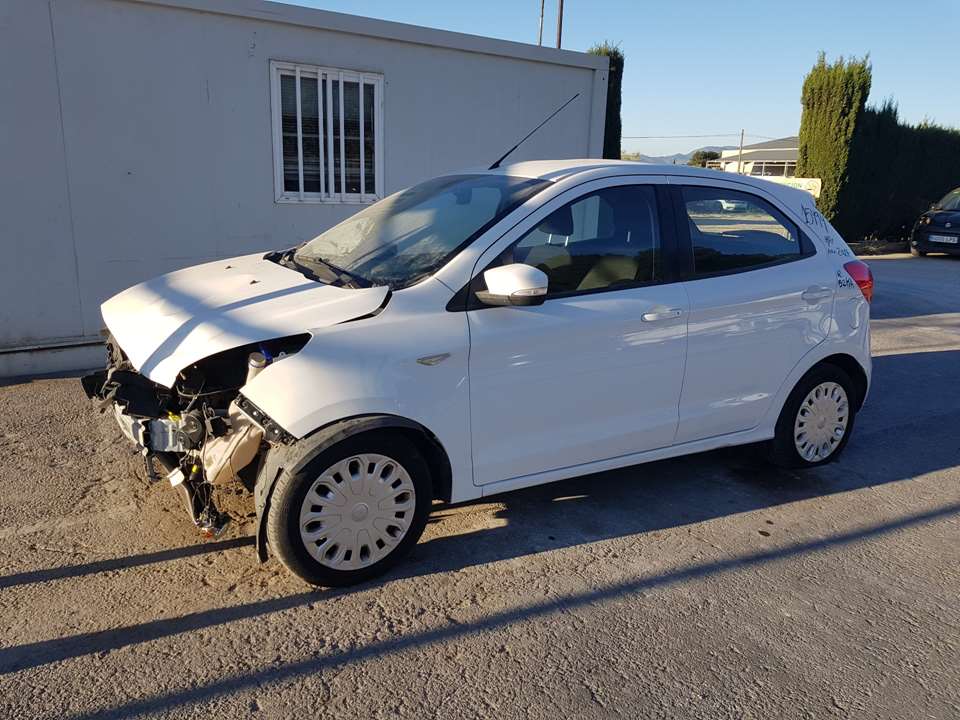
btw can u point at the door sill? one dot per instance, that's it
(744, 437)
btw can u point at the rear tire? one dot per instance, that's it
(352, 512)
(916, 252)
(816, 420)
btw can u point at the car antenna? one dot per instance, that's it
(507, 153)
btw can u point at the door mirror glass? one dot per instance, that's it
(515, 284)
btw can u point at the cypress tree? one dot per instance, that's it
(612, 130)
(833, 98)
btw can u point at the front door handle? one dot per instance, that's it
(658, 316)
(816, 293)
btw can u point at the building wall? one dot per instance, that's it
(36, 231)
(139, 135)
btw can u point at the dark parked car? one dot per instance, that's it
(938, 229)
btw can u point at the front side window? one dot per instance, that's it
(327, 130)
(412, 233)
(605, 240)
(731, 230)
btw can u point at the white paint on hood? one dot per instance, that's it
(174, 320)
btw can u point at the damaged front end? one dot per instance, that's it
(201, 431)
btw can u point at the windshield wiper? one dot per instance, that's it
(332, 273)
(285, 258)
(356, 280)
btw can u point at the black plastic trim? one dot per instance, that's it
(271, 429)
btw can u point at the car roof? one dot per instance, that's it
(559, 169)
(556, 169)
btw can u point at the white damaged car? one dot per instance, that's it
(488, 331)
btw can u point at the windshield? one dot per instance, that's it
(950, 201)
(409, 235)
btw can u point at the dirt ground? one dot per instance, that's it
(710, 586)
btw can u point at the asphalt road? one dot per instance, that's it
(705, 587)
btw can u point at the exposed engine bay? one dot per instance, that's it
(201, 431)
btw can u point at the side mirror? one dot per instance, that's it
(515, 284)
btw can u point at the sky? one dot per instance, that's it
(712, 67)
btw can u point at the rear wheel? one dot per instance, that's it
(817, 419)
(352, 512)
(917, 252)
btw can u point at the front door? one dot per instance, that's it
(596, 371)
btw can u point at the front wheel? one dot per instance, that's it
(816, 420)
(352, 512)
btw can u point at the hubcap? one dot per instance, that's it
(357, 511)
(821, 422)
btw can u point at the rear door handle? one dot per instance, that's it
(816, 293)
(658, 316)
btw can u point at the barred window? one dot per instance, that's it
(327, 126)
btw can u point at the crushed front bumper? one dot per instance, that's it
(201, 440)
(155, 435)
(147, 427)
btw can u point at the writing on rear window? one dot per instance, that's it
(816, 221)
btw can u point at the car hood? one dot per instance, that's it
(172, 321)
(940, 218)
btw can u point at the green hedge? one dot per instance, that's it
(896, 172)
(878, 174)
(613, 129)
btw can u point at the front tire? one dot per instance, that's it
(817, 419)
(353, 511)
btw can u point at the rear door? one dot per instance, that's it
(760, 299)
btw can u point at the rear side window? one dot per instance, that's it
(605, 240)
(731, 230)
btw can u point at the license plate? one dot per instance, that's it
(951, 239)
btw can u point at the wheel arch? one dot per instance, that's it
(292, 457)
(846, 357)
(851, 366)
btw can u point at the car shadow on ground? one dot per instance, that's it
(901, 443)
(692, 489)
(122, 563)
(292, 671)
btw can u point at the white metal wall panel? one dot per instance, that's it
(165, 150)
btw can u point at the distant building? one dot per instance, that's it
(773, 158)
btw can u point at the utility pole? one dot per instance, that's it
(540, 34)
(740, 154)
(559, 22)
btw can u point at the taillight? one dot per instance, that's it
(860, 272)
